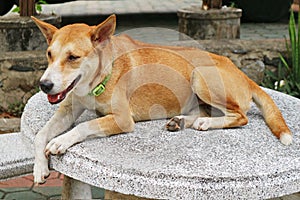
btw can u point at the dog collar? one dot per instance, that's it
(100, 88)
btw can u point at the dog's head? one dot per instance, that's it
(68, 49)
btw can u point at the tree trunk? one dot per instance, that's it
(208, 4)
(27, 7)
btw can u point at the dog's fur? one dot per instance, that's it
(198, 89)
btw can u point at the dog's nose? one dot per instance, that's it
(46, 86)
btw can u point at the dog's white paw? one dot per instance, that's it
(57, 146)
(286, 138)
(40, 171)
(202, 123)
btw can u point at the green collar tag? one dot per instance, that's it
(99, 89)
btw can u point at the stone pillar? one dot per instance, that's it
(209, 24)
(74, 189)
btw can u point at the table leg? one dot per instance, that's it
(74, 189)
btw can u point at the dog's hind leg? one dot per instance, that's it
(187, 120)
(231, 119)
(204, 121)
(210, 87)
(180, 122)
(214, 87)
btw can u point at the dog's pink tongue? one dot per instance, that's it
(56, 98)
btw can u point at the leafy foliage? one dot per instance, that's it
(38, 6)
(287, 78)
(16, 108)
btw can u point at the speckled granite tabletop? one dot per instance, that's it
(241, 163)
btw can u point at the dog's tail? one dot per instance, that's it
(272, 114)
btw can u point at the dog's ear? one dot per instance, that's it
(104, 30)
(48, 30)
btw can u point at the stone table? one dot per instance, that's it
(239, 163)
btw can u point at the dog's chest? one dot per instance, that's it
(91, 103)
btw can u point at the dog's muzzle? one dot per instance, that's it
(46, 86)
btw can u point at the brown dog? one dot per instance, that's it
(128, 81)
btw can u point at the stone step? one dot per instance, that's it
(9, 125)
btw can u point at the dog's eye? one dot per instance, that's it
(73, 58)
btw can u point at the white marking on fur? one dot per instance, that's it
(60, 144)
(180, 117)
(87, 70)
(286, 138)
(53, 74)
(202, 123)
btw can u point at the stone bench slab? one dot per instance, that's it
(16, 155)
(240, 163)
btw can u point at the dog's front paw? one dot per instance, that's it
(175, 124)
(40, 171)
(57, 146)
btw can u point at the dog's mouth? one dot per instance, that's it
(57, 98)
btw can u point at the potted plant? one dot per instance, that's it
(262, 10)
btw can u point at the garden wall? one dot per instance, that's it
(251, 56)
(19, 76)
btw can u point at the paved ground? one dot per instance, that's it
(107, 7)
(160, 14)
(23, 188)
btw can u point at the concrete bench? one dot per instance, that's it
(241, 163)
(16, 155)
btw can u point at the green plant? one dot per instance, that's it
(16, 108)
(233, 5)
(38, 6)
(287, 78)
